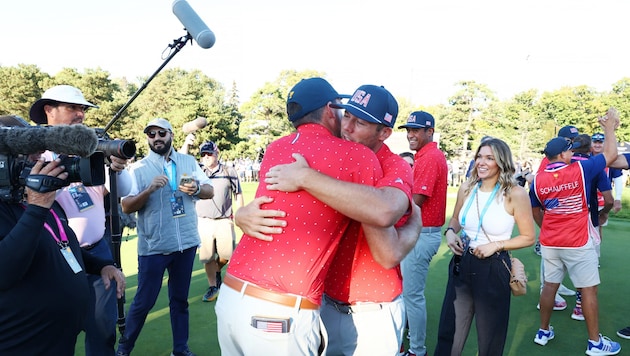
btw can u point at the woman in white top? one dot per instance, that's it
(479, 234)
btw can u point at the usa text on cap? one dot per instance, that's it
(419, 120)
(373, 104)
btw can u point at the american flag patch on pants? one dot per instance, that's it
(271, 325)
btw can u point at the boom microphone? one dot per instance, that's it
(196, 124)
(67, 139)
(193, 24)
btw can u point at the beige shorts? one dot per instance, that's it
(217, 238)
(581, 264)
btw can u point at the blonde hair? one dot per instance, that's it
(503, 157)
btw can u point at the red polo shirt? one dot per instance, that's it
(297, 260)
(354, 276)
(430, 179)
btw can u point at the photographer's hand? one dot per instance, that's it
(117, 164)
(52, 169)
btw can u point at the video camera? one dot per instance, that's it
(18, 140)
(15, 169)
(120, 148)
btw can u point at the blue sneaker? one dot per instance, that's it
(605, 346)
(543, 336)
(211, 295)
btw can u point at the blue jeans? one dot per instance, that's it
(415, 268)
(100, 325)
(150, 273)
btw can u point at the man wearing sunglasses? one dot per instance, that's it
(165, 186)
(87, 215)
(216, 226)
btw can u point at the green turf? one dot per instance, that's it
(155, 338)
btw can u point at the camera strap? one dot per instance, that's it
(43, 184)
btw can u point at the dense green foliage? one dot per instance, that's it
(526, 121)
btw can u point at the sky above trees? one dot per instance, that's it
(418, 50)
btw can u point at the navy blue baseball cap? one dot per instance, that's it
(598, 137)
(558, 145)
(419, 120)
(373, 104)
(208, 147)
(311, 94)
(568, 131)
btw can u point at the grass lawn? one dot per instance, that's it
(155, 338)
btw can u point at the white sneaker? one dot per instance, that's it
(562, 290)
(559, 303)
(543, 336)
(605, 346)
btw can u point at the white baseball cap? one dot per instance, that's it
(57, 94)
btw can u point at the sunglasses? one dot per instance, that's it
(152, 134)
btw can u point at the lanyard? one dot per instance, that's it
(485, 208)
(63, 243)
(172, 176)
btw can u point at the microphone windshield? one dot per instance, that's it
(193, 24)
(73, 140)
(196, 124)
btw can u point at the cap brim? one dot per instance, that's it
(37, 114)
(413, 126)
(361, 114)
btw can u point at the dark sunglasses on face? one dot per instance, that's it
(152, 134)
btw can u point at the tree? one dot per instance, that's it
(264, 115)
(181, 96)
(467, 106)
(19, 89)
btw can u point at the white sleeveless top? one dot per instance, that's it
(497, 223)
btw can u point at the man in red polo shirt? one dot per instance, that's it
(362, 309)
(274, 288)
(429, 192)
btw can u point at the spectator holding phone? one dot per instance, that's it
(167, 232)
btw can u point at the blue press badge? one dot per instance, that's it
(177, 206)
(81, 197)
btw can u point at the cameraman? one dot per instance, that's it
(85, 208)
(44, 294)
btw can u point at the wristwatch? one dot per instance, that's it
(449, 228)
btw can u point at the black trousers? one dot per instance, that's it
(476, 288)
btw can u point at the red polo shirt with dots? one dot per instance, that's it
(430, 179)
(296, 261)
(354, 275)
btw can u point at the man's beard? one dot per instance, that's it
(166, 147)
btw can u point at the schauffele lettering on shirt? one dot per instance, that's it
(558, 188)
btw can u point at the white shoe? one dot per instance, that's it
(559, 303)
(562, 290)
